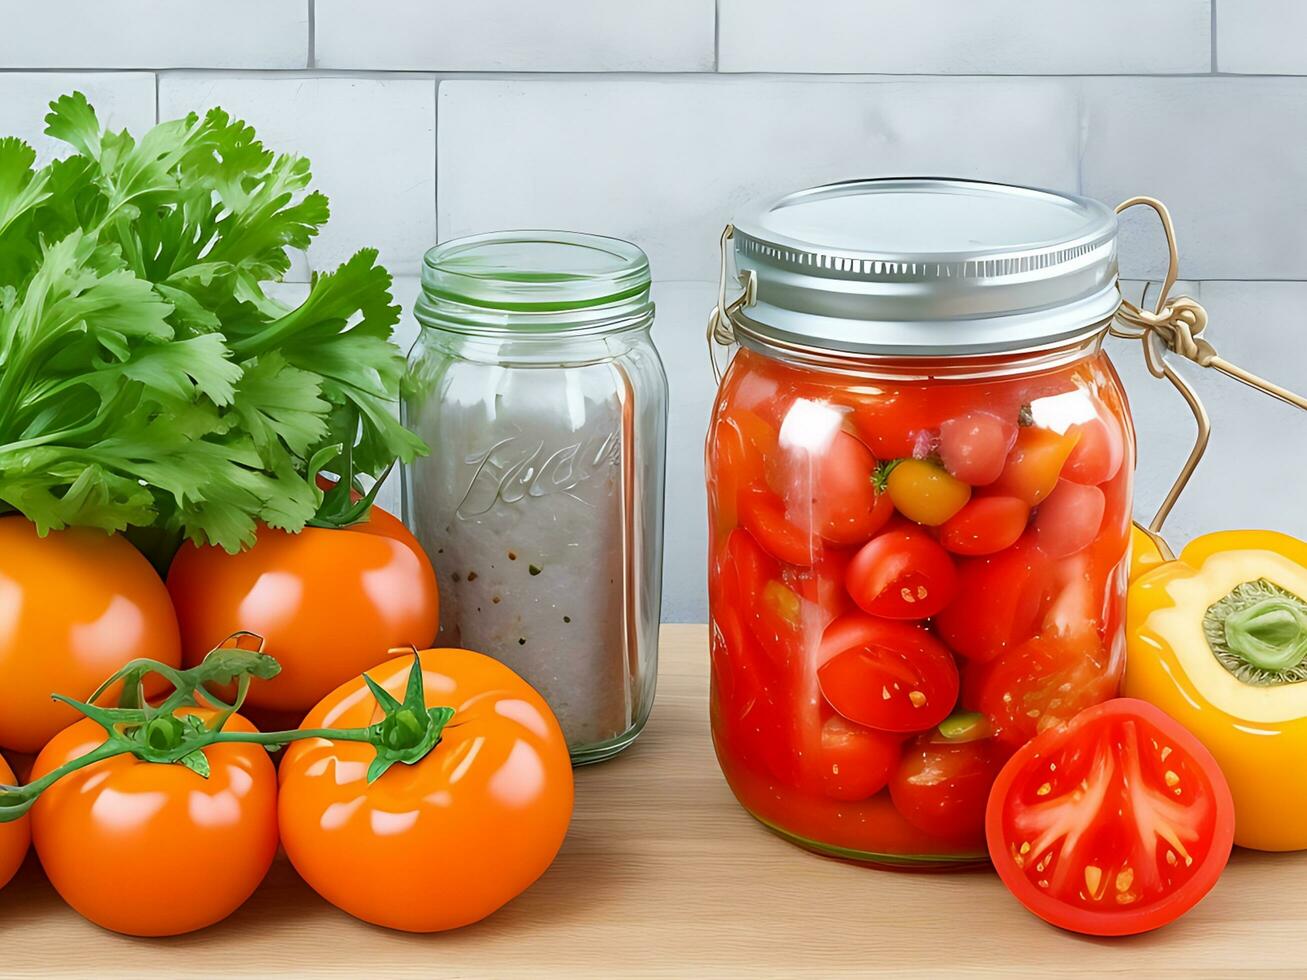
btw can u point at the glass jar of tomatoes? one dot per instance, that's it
(919, 477)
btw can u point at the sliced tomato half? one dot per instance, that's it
(1115, 823)
(886, 674)
(902, 574)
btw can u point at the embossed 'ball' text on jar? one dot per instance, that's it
(919, 483)
(538, 388)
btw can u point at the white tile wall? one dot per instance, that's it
(1227, 155)
(668, 162)
(665, 159)
(154, 34)
(1262, 37)
(516, 35)
(371, 142)
(121, 100)
(1015, 37)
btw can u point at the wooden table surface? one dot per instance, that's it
(664, 875)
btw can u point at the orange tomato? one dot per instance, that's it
(446, 841)
(15, 836)
(110, 834)
(1034, 464)
(75, 606)
(328, 603)
(926, 493)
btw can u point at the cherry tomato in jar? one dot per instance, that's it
(762, 513)
(902, 574)
(1035, 463)
(1044, 681)
(822, 585)
(773, 611)
(973, 447)
(925, 493)
(1112, 824)
(985, 525)
(113, 835)
(446, 840)
(329, 602)
(835, 494)
(16, 835)
(940, 786)
(1099, 449)
(740, 446)
(899, 421)
(750, 703)
(856, 760)
(75, 606)
(1000, 601)
(1069, 520)
(886, 674)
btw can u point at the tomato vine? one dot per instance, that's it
(406, 733)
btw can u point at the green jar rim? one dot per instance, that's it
(534, 281)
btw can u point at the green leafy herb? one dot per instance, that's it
(146, 377)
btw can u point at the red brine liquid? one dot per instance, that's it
(912, 571)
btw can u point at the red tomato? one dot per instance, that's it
(985, 525)
(329, 603)
(762, 512)
(974, 446)
(1115, 823)
(941, 786)
(747, 442)
(749, 707)
(823, 583)
(831, 490)
(902, 575)
(15, 836)
(856, 761)
(885, 674)
(102, 830)
(445, 841)
(1068, 521)
(1000, 601)
(749, 701)
(773, 611)
(1044, 681)
(738, 450)
(1034, 464)
(896, 421)
(1099, 451)
(75, 606)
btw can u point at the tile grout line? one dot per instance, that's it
(1212, 30)
(717, 36)
(312, 53)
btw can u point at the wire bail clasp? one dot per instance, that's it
(721, 326)
(1177, 325)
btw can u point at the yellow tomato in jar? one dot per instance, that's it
(924, 492)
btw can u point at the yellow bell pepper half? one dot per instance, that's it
(1144, 553)
(1218, 640)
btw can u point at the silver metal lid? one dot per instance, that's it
(927, 266)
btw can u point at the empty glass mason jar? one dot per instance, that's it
(538, 388)
(919, 485)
